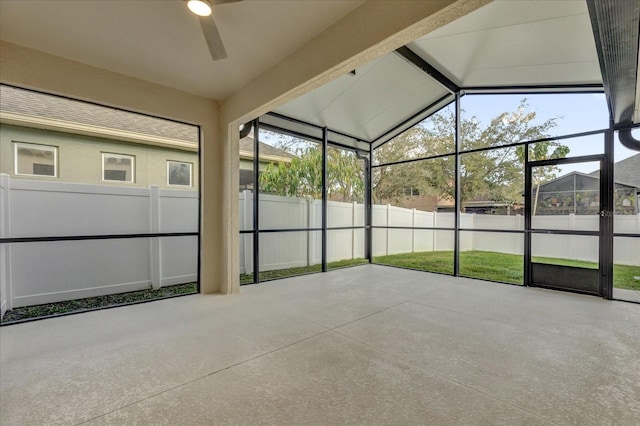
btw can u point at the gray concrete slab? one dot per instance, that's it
(328, 379)
(364, 345)
(628, 295)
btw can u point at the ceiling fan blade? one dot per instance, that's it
(213, 39)
(216, 2)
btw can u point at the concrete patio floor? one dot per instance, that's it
(364, 345)
(628, 295)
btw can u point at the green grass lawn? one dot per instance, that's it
(433, 261)
(498, 266)
(290, 272)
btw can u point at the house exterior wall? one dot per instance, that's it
(80, 157)
(24, 67)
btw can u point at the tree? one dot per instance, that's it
(543, 151)
(496, 175)
(302, 177)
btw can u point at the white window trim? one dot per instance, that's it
(53, 148)
(190, 173)
(133, 167)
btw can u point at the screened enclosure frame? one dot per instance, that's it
(324, 229)
(120, 236)
(605, 232)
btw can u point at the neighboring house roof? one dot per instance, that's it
(266, 152)
(628, 171)
(34, 109)
(591, 175)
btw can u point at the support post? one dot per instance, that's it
(256, 201)
(324, 198)
(248, 259)
(456, 242)
(607, 188)
(368, 206)
(527, 218)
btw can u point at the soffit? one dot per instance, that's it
(161, 41)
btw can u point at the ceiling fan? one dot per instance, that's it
(204, 10)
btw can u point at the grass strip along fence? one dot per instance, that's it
(91, 303)
(491, 266)
(301, 270)
(501, 267)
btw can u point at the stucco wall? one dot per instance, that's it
(80, 157)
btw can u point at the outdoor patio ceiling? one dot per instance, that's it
(370, 103)
(521, 43)
(505, 46)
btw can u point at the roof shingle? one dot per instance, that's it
(26, 102)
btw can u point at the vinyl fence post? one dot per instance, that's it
(311, 237)
(354, 206)
(388, 233)
(434, 232)
(5, 261)
(413, 230)
(156, 249)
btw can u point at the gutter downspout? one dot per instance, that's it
(627, 140)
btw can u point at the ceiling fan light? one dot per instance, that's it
(199, 7)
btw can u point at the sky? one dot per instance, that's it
(576, 113)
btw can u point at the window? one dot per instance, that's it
(179, 173)
(36, 160)
(117, 167)
(411, 192)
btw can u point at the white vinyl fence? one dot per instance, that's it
(293, 249)
(43, 272)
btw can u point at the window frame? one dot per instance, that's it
(28, 145)
(190, 185)
(116, 155)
